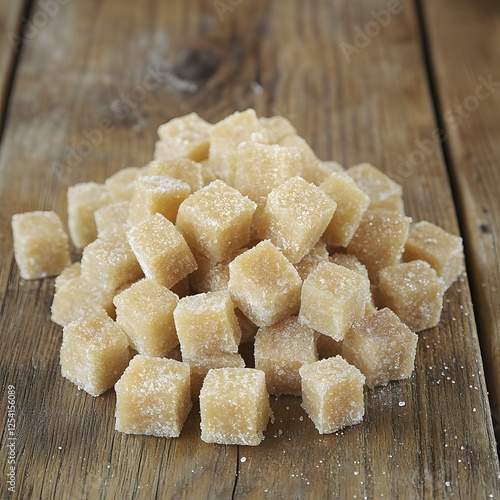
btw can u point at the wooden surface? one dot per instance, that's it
(431, 436)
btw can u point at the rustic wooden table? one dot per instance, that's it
(411, 86)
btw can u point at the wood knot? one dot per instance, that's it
(196, 65)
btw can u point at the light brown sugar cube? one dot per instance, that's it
(83, 200)
(94, 353)
(333, 166)
(187, 137)
(382, 190)
(382, 347)
(327, 347)
(153, 397)
(202, 365)
(260, 223)
(157, 194)
(109, 260)
(264, 285)
(207, 173)
(260, 168)
(297, 215)
(145, 312)
(206, 324)
(313, 170)
(332, 394)
(414, 291)
(351, 202)
(161, 250)
(442, 250)
(234, 406)
(120, 185)
(184, 169)
(115, 213)
(40, 244)
(332, 298)
(216, 220)
(280, 350)
(380, 239)
(248, 328)
(350, 261)
(226, 135)
(277, 128)
(68, 273)
(309, 262)
(78, 297)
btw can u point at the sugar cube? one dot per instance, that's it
(184, 169)
(120, 185)
(115, 213)
(277, 128)
(318, 254)
(68, 273)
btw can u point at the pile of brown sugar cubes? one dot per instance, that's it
(235, 233)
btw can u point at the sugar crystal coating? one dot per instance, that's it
(94, 353)
(120, 185)
(277, 128)
(83, 200)
(184, 169)
(145, 312)
(297, 215)
(382, 347)
(40, 244)
(68, 273)
(215, 221)
(264, 285)
(161, 250)
(234, 406)
(442, 250)
(332, 394)
(114, 213)
(318, 254)
(332, 298)
(153, 397)
(414, 291)
(280, 350)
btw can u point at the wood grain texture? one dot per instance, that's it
(465, 37)
(84, 82)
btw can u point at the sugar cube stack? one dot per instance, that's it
(237, 233)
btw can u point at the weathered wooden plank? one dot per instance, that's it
(466, 63)
(278, 57)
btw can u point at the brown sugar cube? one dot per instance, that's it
(332, 298)
(157, 194)
(215, 221)
(277, 128)
(202, 365)
(351, 202)
(161, 250)
(280, 350)
(78, 297)
(115, 213)
(333, 166)
(414, 291)
(382, 347)
(327, 347)
(234, 406)
(382, 190)
(332, 394)
(120, 185)
(309, 262)
(248, 328)
(264, 285)
(94, 353)
(207, 173)
(380, 239)
(297, 215)
(206, 324)
(83, 200)
(225, 137)
(40, 244)
(187, 137)
(145, 312)
(67, 274)
(109, 260)
(184, 169)
(260, 168)
(442, 250)
(153, 397)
